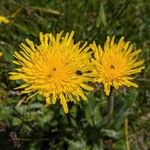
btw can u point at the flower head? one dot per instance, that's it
(1, 54)
(57, 69)
(115, 64)
(4, 20)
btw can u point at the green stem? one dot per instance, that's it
(126, 135)
(110, 99)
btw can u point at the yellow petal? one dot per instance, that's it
(63, 102)
(86, 87)
(80, 93)
(107, 89)
(54, 98)
(48, 101)
(106, 46)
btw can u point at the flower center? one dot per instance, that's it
(112, 67)
(50, 75)
(54, 69)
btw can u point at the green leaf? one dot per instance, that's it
(101, 17)
(16, 121)
(102, 14)
(110, 133)
(97, 116)
(35, 106)
(88, 115)
(77, 145)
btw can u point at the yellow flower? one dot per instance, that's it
(1, 54)
(115, 64)
(4, 20)
(57, 69)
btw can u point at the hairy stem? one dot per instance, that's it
(110, 99)
(126, 134)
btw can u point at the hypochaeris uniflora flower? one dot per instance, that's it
(115, 64)
(4, 20)
(1, 54)
(57, 69)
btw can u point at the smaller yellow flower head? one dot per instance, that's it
(4, 20)
(115, 64)
(57, 69)
(1, 54)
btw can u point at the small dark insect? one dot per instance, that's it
(78, 72)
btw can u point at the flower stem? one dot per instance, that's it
(126, 134)
(110, 106)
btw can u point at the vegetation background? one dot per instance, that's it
(89, 125)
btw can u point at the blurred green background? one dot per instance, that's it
(88, 126)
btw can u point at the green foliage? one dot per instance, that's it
(97, 124)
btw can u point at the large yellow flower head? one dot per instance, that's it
(115, 64)
(57, 69)
(4, 20)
